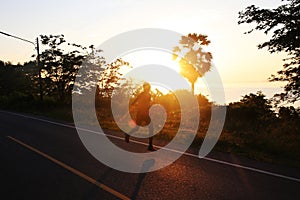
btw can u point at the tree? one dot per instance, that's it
(14, 78)
(193, 60)
(59, 67)
(288, 113)
(284, 25)
(251, 114)
(90, 72)
(110, 78)
(15, 85)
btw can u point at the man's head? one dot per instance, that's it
(146, 87)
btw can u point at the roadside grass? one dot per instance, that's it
(271, 148)
(266, 147)
(277, 148)
(47, 108)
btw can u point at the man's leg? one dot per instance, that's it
(150, 146)
(127, 135)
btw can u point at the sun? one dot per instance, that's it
(151, 57)
(146, 57)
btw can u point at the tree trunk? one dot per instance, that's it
(193, 88)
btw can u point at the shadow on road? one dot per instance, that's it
(146, 166)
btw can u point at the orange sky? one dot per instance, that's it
(239, 62)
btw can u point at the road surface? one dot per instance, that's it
(45, 159)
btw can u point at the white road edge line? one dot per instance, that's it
(71, 169)
(184, 153)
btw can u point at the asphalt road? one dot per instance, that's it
(45, 159)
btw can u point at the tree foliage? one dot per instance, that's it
(90, 70)
(193, 60)
(111, 76)
(13, 78)
(251, 114)
(15, 84)
(59, 67)
(283, 23)
(60, 62)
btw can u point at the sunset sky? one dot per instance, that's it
(243, 68)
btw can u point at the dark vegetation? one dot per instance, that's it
(253, 126)
(283, 23)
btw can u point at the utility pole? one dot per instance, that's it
(39, 67)
(37, 59)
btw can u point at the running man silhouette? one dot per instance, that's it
(143, 104)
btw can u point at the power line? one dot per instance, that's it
(38, 58)
(9, 35)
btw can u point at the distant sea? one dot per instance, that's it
(235, 92)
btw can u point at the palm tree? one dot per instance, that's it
(193, 60)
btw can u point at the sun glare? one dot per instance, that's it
(151, 58)
(155, 57)
(147, 57)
